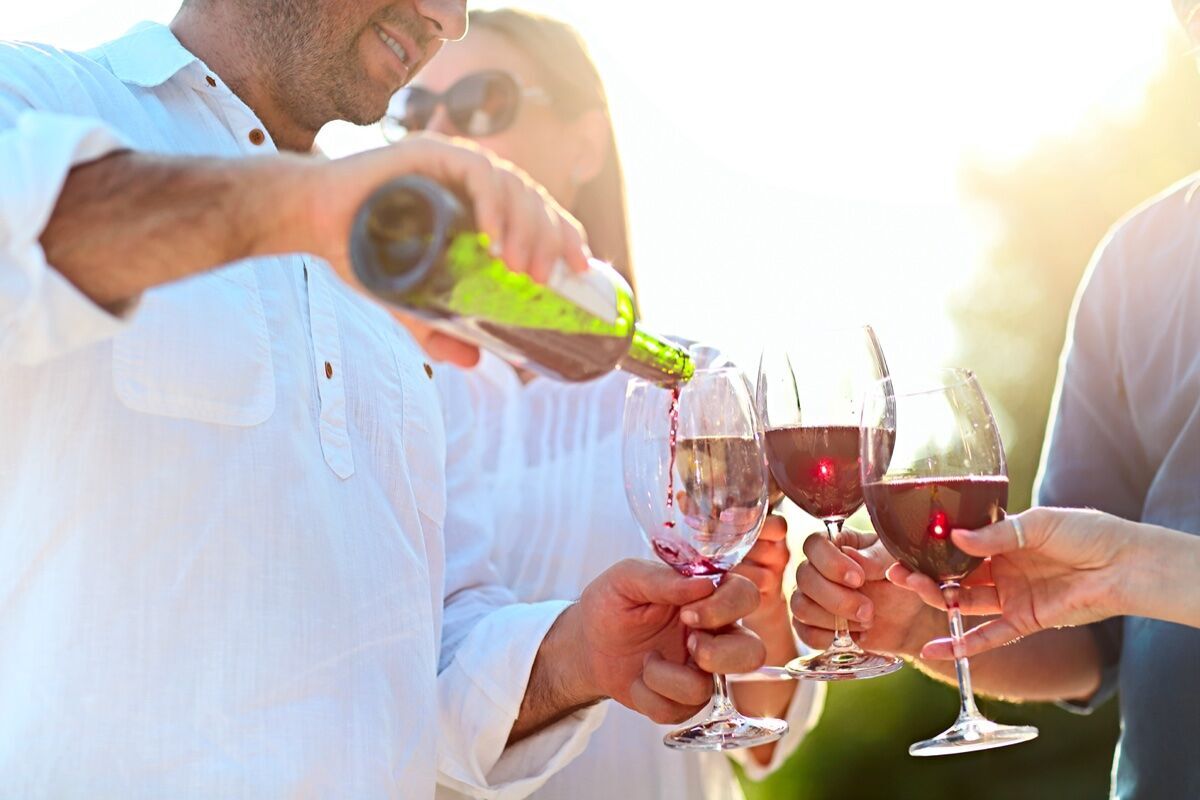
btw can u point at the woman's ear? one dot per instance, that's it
(591, 133)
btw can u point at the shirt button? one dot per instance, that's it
(257, 137)
(211, 80)
(328, 370)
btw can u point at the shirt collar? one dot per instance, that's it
(148, 56)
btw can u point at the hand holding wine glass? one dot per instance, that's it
(932, 461)
(638, 649)
(1059, 567)
(847, 578)
(810, 399)
(696, 480)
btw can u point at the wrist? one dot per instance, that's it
(568, 663)
(283, 206)
(1155, 578)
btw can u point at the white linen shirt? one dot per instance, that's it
(552, 461)
(223, 570)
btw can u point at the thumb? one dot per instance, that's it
(443, 347)
(642, 582)
(991, 540)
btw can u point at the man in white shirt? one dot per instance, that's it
(224, 491)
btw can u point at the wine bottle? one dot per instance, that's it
(414, 245)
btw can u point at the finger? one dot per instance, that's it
(923, 586)
(548, 246)
(979, 600)
(814, 637)
(774, 529)
(679, 683)
(485, 184)
(520, 224)
(735, 598)
(832, 597)
(987, 636)
(807, 612)
(443, 347)
(859, 540)
(772, 555)
(927, 589)
(981, 576)
(639, 581)
(764, 579)
(832, 563)
(574, 244)
(874, 560)
(995, 539)
(735, 651)
(658, 708)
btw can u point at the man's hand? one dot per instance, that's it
(528, 229)
(849, 580)
(647, 637)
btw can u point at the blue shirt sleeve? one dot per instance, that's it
(1093, 457)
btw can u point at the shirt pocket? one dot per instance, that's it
(199, 349)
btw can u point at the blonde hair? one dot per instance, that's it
(574, 86)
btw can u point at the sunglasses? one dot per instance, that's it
(480, 104)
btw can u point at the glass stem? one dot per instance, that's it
(722, 706)
(841, 633)
(966, 696)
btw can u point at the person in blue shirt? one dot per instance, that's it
(1125, 441)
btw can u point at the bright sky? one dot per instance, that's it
(804, 161)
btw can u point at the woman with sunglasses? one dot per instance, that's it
(525, 87)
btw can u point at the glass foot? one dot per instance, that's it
(973, 733)
(843, 664)
(727, 733)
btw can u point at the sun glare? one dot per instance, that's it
(801, 159)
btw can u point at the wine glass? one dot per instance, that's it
(696, 480)
(932, 461)
(810, 399)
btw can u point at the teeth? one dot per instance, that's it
(392, 43)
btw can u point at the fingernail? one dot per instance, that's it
(854, 579)
(691, 644)
(496, 250)
(864, 612)
(690, 618)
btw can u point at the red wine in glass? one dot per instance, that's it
(817, 467)
(944, 468)
(810, 399)
(915, 517)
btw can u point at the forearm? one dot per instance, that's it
(1162, 584)
(1060, 664)
(131, 221)
(559, 683)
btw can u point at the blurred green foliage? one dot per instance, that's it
(1049, 211)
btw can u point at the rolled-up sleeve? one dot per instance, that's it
(479, 697)
(50, 123)
(489, 641)
(42, 314)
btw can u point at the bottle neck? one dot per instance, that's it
(655, 359)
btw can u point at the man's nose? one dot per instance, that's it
(448, 18)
